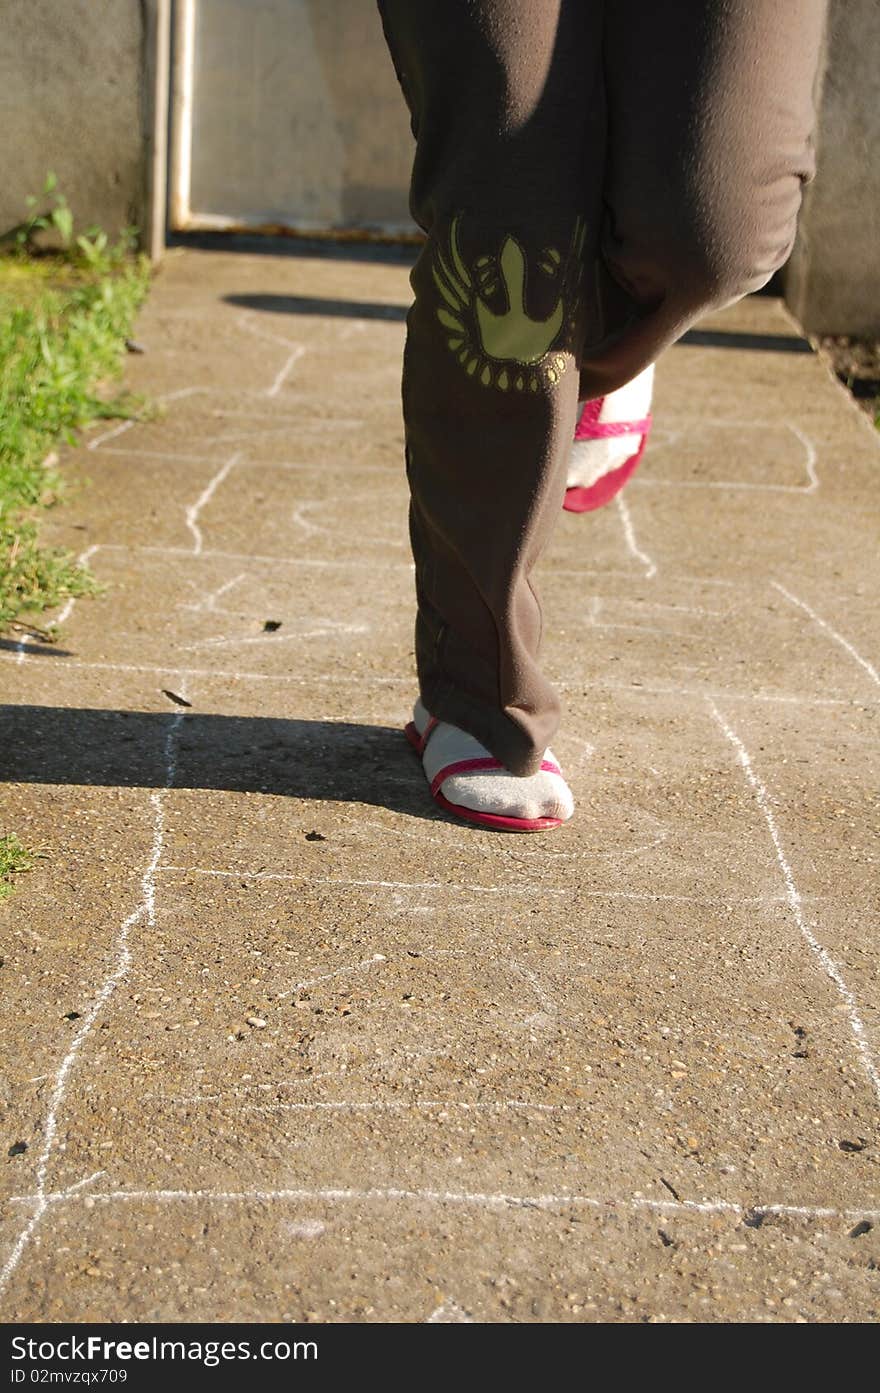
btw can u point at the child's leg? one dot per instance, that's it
(609, 440)
(710, 115)
(708, 141)
(508, 115)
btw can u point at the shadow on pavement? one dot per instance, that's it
(371, 252)
(309, 304)
(336, 761)
(369, 309)
(34, 650)
(730, 338)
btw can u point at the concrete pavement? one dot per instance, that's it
(284, 1044)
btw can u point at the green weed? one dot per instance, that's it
(14, 860)
(64, 319)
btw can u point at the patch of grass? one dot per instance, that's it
(64, 319)
(14, 860)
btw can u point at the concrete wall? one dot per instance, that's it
(832, 282)
(72, 100)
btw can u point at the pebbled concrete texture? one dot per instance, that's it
(285, 1044)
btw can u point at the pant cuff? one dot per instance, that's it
(503, 734)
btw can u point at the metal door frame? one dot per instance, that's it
(157, 47)
(170, 45)
(180, 217)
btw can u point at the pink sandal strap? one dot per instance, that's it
(470, 766)
(589, 427)
(426, 734)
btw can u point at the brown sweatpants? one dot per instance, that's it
(592, 176)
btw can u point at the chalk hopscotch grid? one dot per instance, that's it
(44, 1199)
(666, 437)
(197, 551)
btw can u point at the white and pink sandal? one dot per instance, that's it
(609, 440)
(470, 783)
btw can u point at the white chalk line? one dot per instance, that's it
(284, 372)
(311, 529)
(729, 485)
(295, 350)
(453, 843)
(124, 426)
(610, 572)
(145, 911)
(83, 560)
(424, 885)
(111, 434)
(670, 438)
(448, 1313)
(630, 535)
(598, 602)
(230, 673)
(223, 413)
(679, 609)
(304, 877)
(323, 425)
(338, 972)
(349, 968)
(303, 421)
(545, 1000)
(587, 749)
(208, 603)
(84, 1183)
(259, 331)
(594, 609)
(193, 509)
(823, 958)
(464, 1198)
(235, 1092)
(327, 628)
(207, 554)
(838, 638)
(315, 529)
(20, 653)
(207, 457)
(656, 630)
(342, 679)
(419, 1105)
